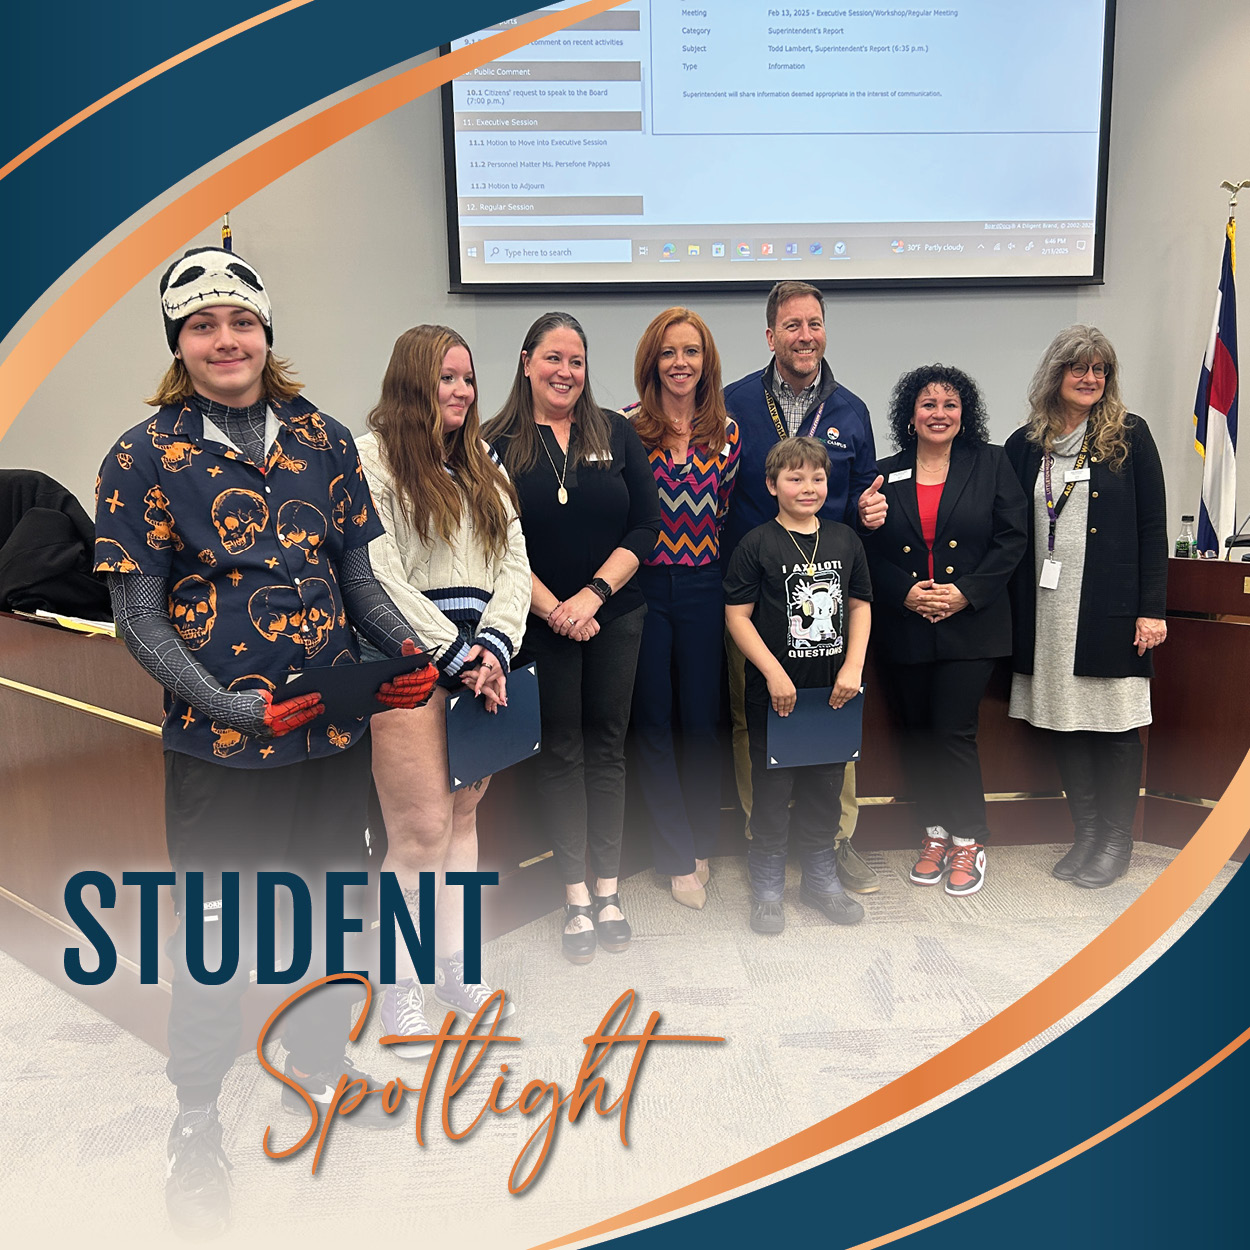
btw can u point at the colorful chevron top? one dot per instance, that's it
(694, 498)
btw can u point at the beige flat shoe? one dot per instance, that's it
(690, 898)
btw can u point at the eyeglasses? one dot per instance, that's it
(1079, 370)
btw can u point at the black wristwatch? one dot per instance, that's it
(600, 587)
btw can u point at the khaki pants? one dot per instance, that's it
(742, 755)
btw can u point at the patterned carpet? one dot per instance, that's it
(813, 1019)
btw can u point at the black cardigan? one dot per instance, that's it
(1126, 558)
(979, 541)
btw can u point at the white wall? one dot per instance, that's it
(353, 246)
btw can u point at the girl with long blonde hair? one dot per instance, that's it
(454, 560)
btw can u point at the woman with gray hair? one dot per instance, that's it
(1088, 602)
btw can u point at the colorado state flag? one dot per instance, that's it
(1215, 411)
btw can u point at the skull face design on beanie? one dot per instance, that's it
(206, 277)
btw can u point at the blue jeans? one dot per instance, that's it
(680, 656)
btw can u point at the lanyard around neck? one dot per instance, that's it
(1055, 506)
(782, 430)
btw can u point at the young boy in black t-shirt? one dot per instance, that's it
(797, 603)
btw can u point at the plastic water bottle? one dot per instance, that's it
(1186, 544)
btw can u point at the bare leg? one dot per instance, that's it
(579, 895)
(603, 887)
(424, 834)
(460, 856)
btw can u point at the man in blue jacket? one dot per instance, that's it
(796, 393)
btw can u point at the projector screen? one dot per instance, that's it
(665, 144)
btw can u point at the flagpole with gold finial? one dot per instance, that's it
(1233, 188)
(1219, 471)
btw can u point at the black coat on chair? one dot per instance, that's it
(46, 549)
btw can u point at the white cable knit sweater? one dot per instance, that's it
(444, 586)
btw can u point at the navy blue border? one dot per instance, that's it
(1169, 1179)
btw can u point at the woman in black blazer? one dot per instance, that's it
(954, 532)
(1089, 599)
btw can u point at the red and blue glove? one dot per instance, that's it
(281, 718)
(409, 690)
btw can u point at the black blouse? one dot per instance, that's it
(616, 505)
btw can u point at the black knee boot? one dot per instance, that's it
(1118, 770)
(1075, 757)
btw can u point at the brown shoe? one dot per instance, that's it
(853, 872)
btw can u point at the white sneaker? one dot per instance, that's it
(403, 1013)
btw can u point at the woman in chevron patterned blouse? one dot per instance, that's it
(692, 445)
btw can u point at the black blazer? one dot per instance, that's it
(980, 539)
(1126, 559)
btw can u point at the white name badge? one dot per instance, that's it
(901, 475)
(606, 458)
(1077, 475)
(1050, 574)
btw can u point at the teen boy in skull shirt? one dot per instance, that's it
(233, 527)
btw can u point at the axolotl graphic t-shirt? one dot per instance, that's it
(800, 584)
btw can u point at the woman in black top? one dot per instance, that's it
(953, 535)
(590, 512)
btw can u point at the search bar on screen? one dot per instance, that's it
(557, 251)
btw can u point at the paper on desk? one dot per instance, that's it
(79, 624)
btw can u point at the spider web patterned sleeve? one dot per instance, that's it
(140, 607)
(371, 610)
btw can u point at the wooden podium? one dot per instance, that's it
(83, 785)
(80, 760)
(1200, 698)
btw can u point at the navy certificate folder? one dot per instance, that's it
(479, 742)
(815, 733)
(349, 690)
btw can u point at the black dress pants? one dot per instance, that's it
(307, 818)
(937, 705)
(584, 691)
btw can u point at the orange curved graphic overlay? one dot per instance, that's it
(1049, 1166)
(1129, 936)
(132, 258)
(155, 72)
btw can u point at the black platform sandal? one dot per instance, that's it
(614, 935)
(578, 948)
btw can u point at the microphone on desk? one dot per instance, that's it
(1237, 538)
